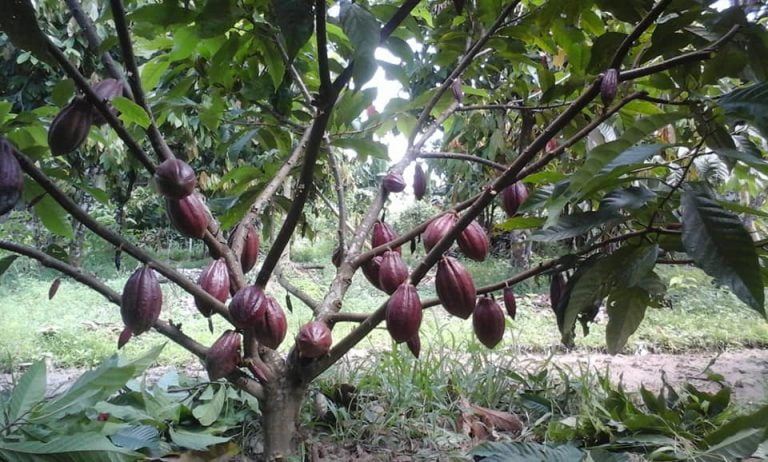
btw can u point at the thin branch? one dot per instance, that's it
(641, 27)
(686, 102)
(322, 48)
(347, 317)
(292, 289)
(340, 200)
(333, 210)
(510, 107)
(462, 157)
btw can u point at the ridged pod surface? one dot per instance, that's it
(392, 272)
(414, 344)
(473, 241)
(394, 183)
(70, 127)
(419, 182)
(106, 90)
(224, 356)
(371, 270)
(438, 228)
(404, 313)
(488, 322)
(251, 245)
(609, 85)
(215, 280)
(314, 339)
(512, 197)
(188, 215)
(382, 234)
(247, 307)
(510, 302)
(175, 179)
(455, 288)
(271, 328)
(11, 177)
(140, 304)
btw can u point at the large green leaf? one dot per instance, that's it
(29, 391)
(749, 104)
(130, 112)
(362, 28)
(573, 225)
(737, 446)
(53, 217)
(626, 310)
(719, 245)
(137, 437)
(526, 452)
(194, 440)
(6, 263)
(83, 447)
(208, 412)
(296, 21)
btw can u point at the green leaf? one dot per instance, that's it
(62, 92)
(217, 17)
(573, 225)
(626, 310)
(749, 104)
(6, 263)
(632, 197)
(362, 28)
(152, 71)
(737, 446)
(83, 447)
(208, 412)
(363, 146)
(29, 391)
(137, 437)
(131, 112)
(19, 23)
(520, 223)
(196, 441)
(164, 14)
(526, 452)
(54, 218)
(295, 19)
(719, 245)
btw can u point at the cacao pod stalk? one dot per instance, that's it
(223, 357)
(438, 229)
(11, 177)
(271, 328)
(473, 241)
(404, 313)
(488, 322)
(392, 272)
(455, 288)
(314, 339)
(175, 179)
(140, 304)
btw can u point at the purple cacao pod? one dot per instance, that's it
(609, 85)
(106, 90)
(404, 313)
(488, 322)
(510, 302)
(175, 179)
(556, 290)
(438, 228)
(250, 253)
(382, 234)
(371, 270)
(314, 339)
(271, 328)
(419, 182)
(11, 177)
(215, 280)
(473, 241)
(512, 197)
(188, 215)
(455, 288)
(223, 357)
(247, 307)
(414, 344)
(140, 304)
(393, 271)
(70, 127)
(394, 183)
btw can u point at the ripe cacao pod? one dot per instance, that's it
(271, 328)
(419, 182)
(455, 288)
(175, 179)
(70, 127)
(473, 241)
(11, 178)
(314, 339)
(223, 357)
(215, 280)
(188, 215)
(512, 197)
(393, 271)
(140, 304)
(404, 313)
(438, 228)
(394, 183)
(371, 270)
(247, 307)
(488, 322)
(510, 302)
(414, 344)
(250, 253)
(382, 234)
(556, 290)
(609, 85)
(106, 90)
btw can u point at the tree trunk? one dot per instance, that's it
(280, 418)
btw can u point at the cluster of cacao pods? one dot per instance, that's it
(176, 181)
(140, 304)
(254, 311)
(473, 240)
(386, 271)
(11, 178)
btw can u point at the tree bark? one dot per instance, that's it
(280, 418)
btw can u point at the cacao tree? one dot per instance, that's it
(594, 123)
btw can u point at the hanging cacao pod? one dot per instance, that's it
(382, 234)
(392, 272)
(455, 288)
(473, 241)
(223, 357)
(140, 304)
(394, 183)
(512, 197)
(215, 280)
(371, 270)
(106, 90)
(404, 313)
(488, 322)
(175, 179)
(509, 302)
(271, 328)
(247, 307)
(609, 85)
(556, 290)
(70, 127)
(338, 256)
(314, 339)
(419, 182)
(11, 177)
(414, 344)
(438, 228)
(251, 245)
(188, 215)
